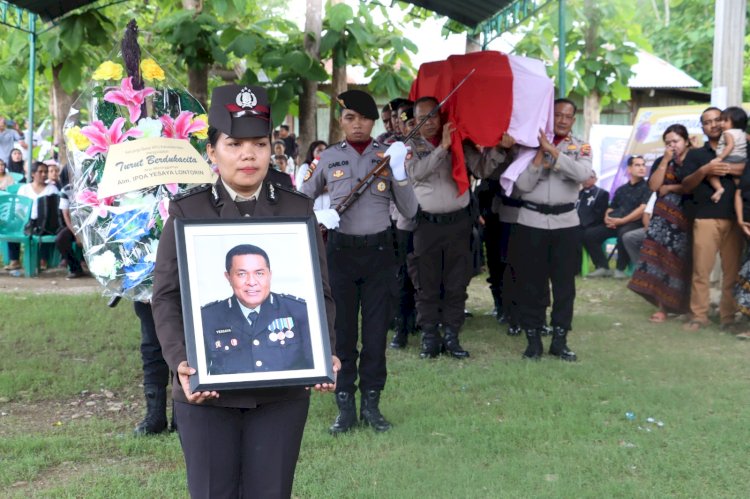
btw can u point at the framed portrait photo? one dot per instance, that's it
(252, 303)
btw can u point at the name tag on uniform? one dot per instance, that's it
(222, 331)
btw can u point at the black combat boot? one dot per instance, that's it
(400, 339)
(559, 346)
(347, 417)
(514, 330)
(535, 348)
(155, 420)
(451, 344)
(431, 342)
(546, 330)
(369, 412)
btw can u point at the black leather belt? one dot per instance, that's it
(384, 238)
(443, 218)
(549, 209)
(515, 203)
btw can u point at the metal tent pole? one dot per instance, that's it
(561, 90)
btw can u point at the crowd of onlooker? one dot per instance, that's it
(47, 184)
(670, 228)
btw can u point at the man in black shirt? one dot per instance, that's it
(715, 227)
(592, 205)
(624, 215)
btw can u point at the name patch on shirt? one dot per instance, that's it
(338, 163)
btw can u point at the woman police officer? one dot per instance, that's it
(237, 443)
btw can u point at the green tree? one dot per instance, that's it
(382, 49)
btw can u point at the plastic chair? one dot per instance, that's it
(15, 211)
(13, 188)
(16, 176)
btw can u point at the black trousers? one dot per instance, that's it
(492, 245)
(508, 277)
(362, 281)
(155, 369)
(443, 259)
(231, 452)
(541, 257)
(593, 237)
(64, 243)
(404, 247)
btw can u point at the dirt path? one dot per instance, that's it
(49, 281)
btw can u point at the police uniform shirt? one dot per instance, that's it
(276, 339)
(557, 185)
(341, 168)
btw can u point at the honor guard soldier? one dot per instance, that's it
(442, 237)
(361, 259)
(544, 246)
(241, 442)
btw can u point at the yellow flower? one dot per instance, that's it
(108, 70)
(151, 71)
(202, 133)
(76, 138)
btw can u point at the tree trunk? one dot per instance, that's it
(308, 101)
(61, 104)
(338, 85)
(591, 112)
(197, 77)
(198, 84)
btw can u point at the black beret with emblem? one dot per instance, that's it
(359, 101)
(240, 111)
(406, 115)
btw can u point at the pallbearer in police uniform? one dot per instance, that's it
(255, 330)
(545, 244)
(442, 253)
(361, 259)
(237, 443)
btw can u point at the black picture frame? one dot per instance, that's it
(230, 351)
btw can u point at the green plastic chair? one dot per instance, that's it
(13, 188)
(15, 211)
(16, 176)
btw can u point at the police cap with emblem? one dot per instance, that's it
(359, 101)
(240, 111)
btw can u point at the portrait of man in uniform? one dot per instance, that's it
(255, 330)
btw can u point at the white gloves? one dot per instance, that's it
(398, 152)
(328, 218)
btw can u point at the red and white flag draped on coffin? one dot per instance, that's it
(506, 94)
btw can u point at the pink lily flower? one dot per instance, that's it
(164, 209)
(126, 96)
(101, 137)
(172, 188)
(181, 127)
(90, 198)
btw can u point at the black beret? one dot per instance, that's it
(359, 101)
(240, 111)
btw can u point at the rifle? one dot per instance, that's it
(367, 181)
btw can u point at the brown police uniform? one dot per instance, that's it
(545, 244)
(246, 442)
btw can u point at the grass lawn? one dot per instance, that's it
(491, 426)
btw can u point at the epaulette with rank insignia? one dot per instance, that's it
(194, 190)
(292, 191)
(292, 297)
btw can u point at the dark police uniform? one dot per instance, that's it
(361, 257)
(246, 442)
(278, 339)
